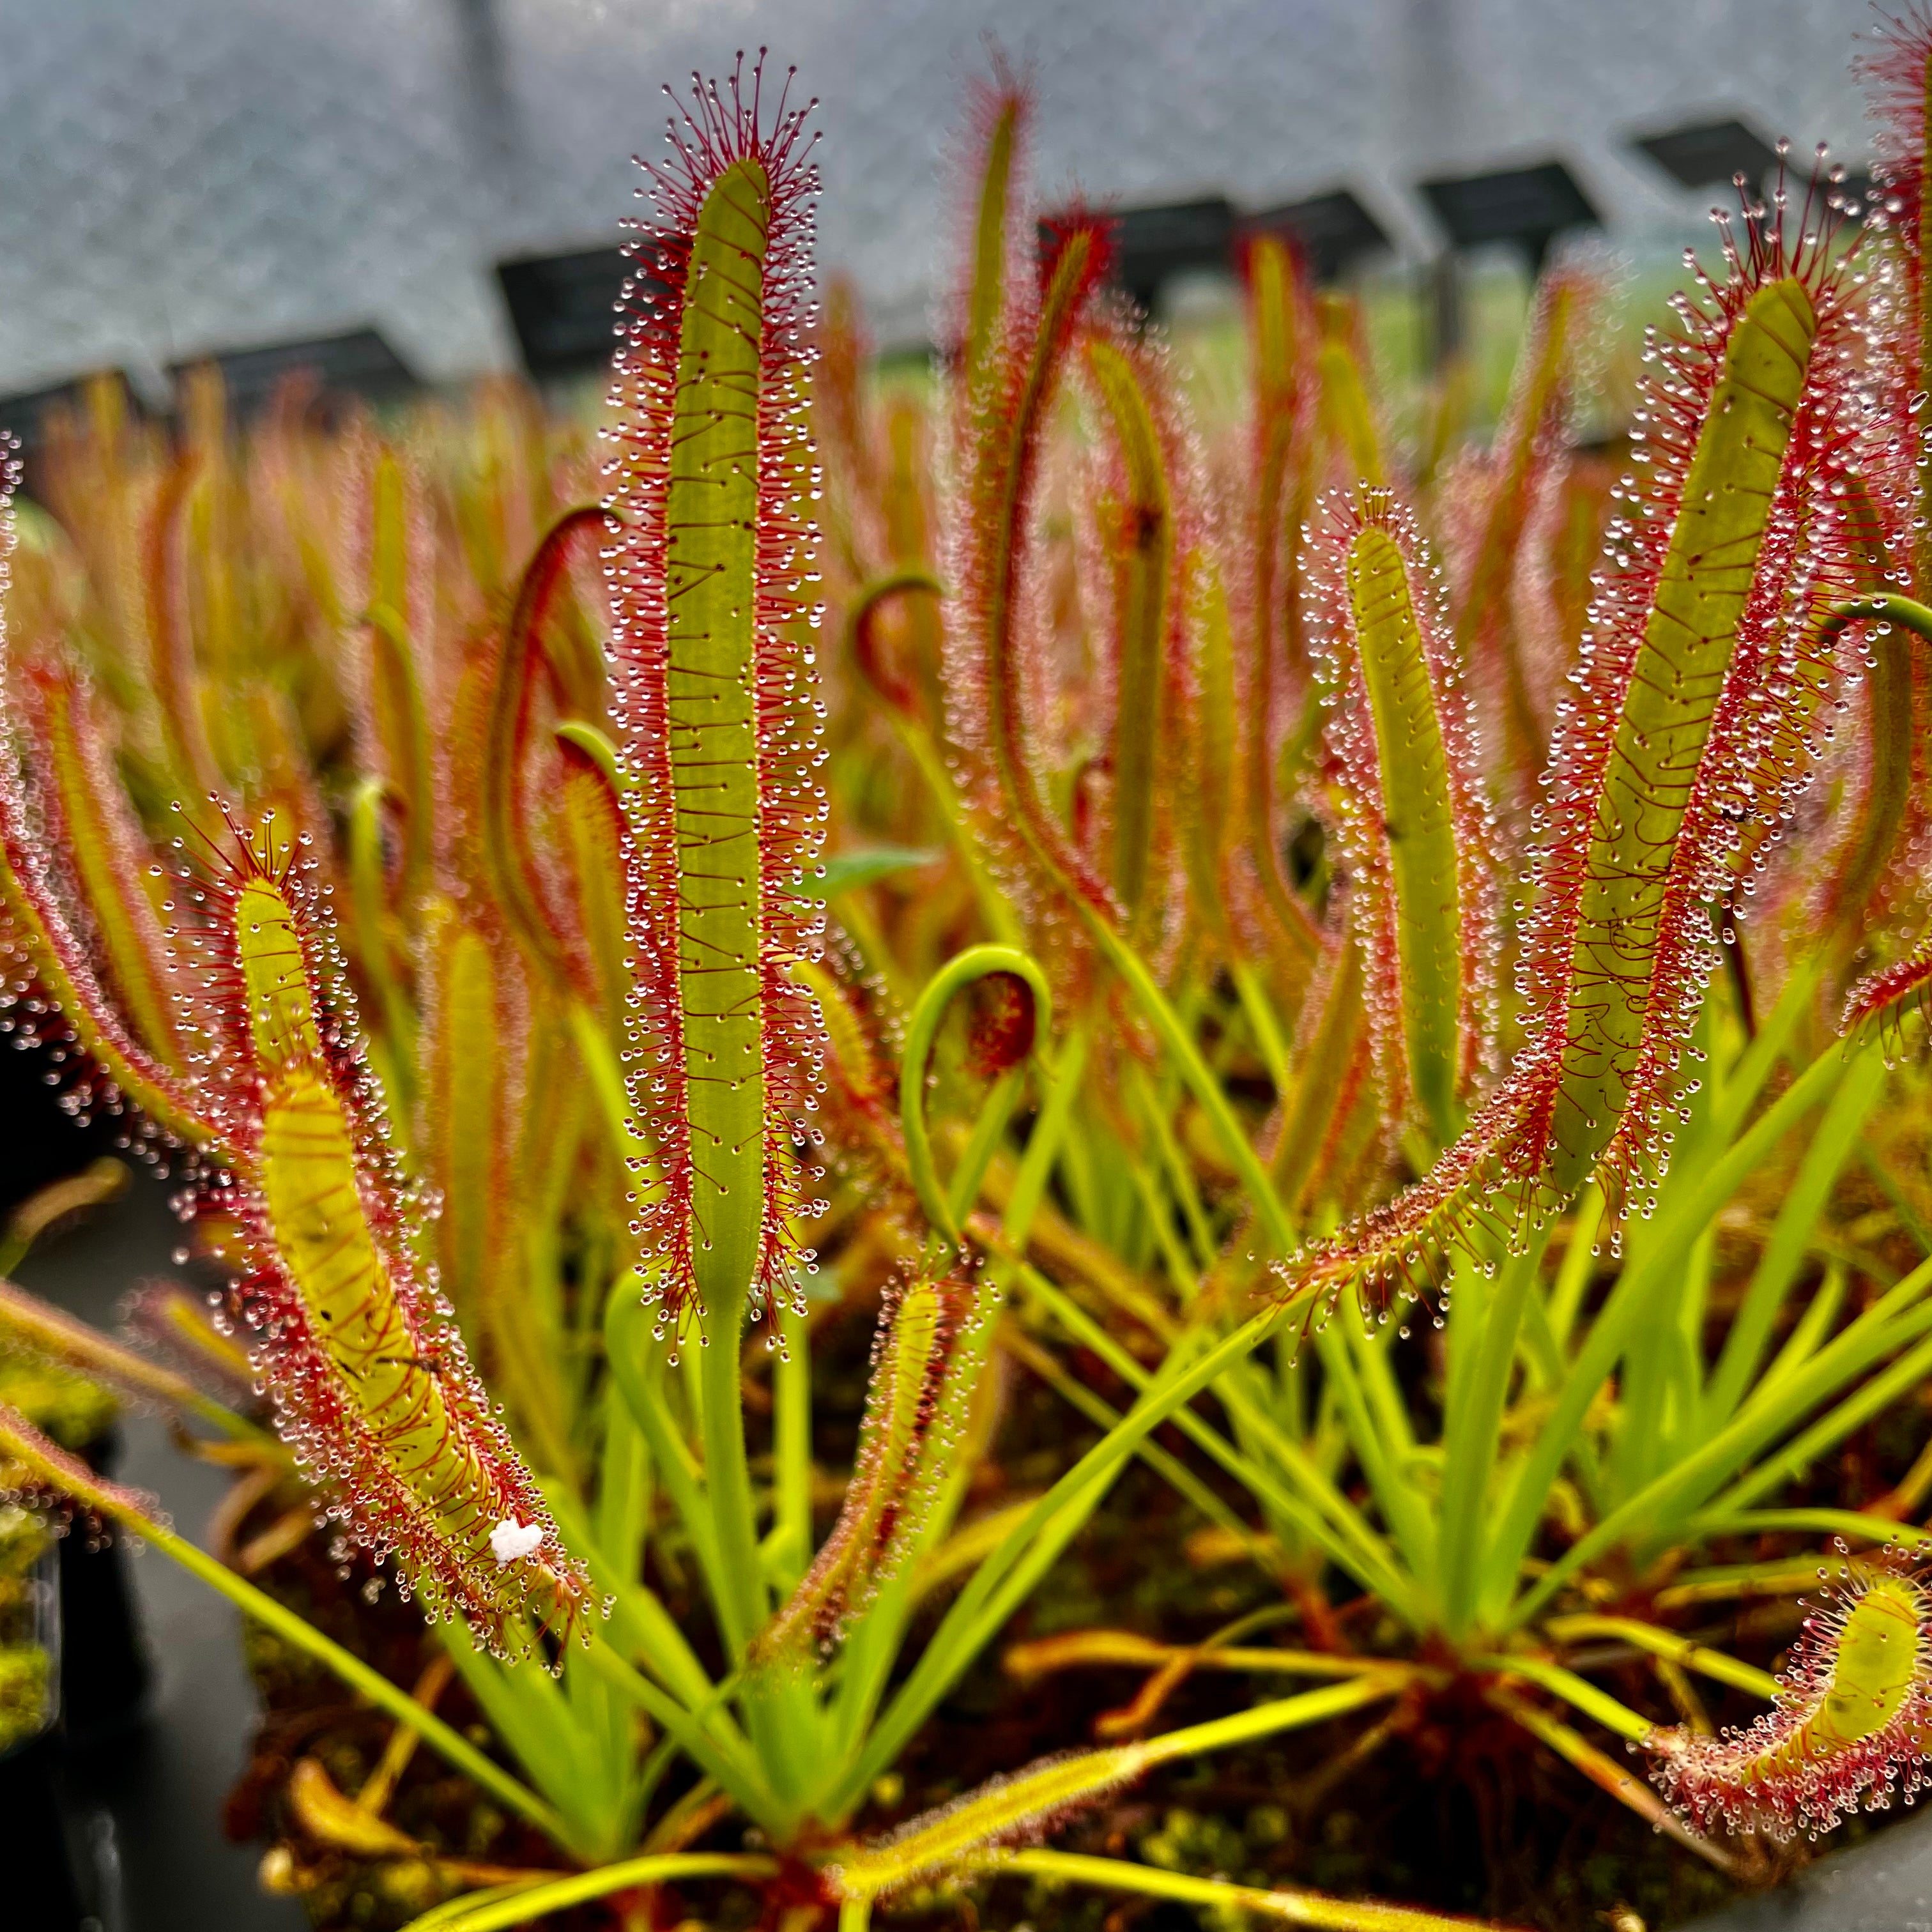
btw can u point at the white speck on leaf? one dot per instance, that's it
(511, 1540)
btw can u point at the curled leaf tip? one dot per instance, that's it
(1880, 1002)
(1851, 1727)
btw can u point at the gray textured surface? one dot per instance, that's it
(1883, 1886)
(188, 176)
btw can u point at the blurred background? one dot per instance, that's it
(401, 193)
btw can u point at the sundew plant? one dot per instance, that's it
(1383, 981)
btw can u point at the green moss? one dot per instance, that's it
(68, 1407)
(23, 1694)
(23, 1538)
(23, 1663)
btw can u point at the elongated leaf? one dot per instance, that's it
(715, 703)
(507, 842)
(1414, 823)
(1283, 469)
(596, 834)
(372, 1388)
(466, 1065)
(89, 820)
(1209, 772)
(1034, 1800)
(1140, 540)
(894, 1476)
(1649, 772)
(1009, 427)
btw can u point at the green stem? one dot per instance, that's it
(1574, 1690)
(524, 1904)
(1729, 1446)
(1285, 1713)
(745, 1781)
(1889, 609)
(592, 1040)
(996, 1114)
(1672, 1232)
(1811, 1522)
(623, 1487)
(1009, 1807)
(926, 754)
(1180, 1176)
(976, 1614)
(791, 1440)
(639, 1627)
(1194, 1071)
(1474, 1428)
(1380, 1452)
(872, 1645)
(1269, 1041)
(916, 734)
(1605, 1773)
(718, 1514)
(33, 1327)
(744, 1602)
(1675, 1649)
(1171, 1471)
(626, 1339)
(1292, 1908)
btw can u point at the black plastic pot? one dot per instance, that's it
(42, 1888)
(105, 1671)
